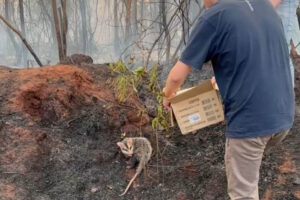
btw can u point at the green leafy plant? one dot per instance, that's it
(119, 66)
(153, 83)
(161, 121)
(127, 79)
(122, 85)
(140, 73)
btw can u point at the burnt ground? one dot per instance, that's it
(58, 131)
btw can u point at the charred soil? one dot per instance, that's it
(59, 126)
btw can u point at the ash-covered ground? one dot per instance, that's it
(59, 127)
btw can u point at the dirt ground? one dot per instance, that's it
(59, 127)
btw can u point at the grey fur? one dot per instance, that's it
(142, 150)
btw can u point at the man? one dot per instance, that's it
(246, 44)
(287, 12)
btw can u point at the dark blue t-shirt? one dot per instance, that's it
(245, 41)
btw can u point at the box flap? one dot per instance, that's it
(203, 87)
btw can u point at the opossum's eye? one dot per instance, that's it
(124, 149)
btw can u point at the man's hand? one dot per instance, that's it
(166, 102)
(214, 83)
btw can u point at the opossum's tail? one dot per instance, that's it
(138, 171)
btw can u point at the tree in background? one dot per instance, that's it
(22, 38)
(60, 22)
(148, 30)
(8, 11)
(84, 34)
(22, 20)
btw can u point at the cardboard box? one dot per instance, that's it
(197, 107)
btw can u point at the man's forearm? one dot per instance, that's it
(171, 87)
(176, 78)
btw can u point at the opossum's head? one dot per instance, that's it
(126, 146)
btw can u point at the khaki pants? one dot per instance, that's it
(242, 160)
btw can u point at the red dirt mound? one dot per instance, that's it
(53, 93)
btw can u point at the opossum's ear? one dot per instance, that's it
(120, 144)
(129, 141)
